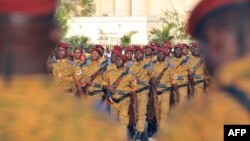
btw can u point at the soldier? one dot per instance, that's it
(162, 82)
(222, 28)
(101, 49)
(63, 71)
(92, 77)
(112, 65)
(182, 74)
(119, 82)
(77, 56)
(198, 70)
(129, 55)
(142, 79)
(31, 108)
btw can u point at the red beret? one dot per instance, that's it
(167, 44)
(118, 48)
(149, 46)
(204, 8)
(28, 7)
(78, 48)
(70, 54)
(154, 44)
(117, 53)
(99, 47)
(96, 50)
(64, 45)
(128, 49)
(194, 45)
(182, 45)
(163, 50)
(138, 48)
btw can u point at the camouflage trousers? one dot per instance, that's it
(142, 100)
(199, 89)
(119, 111)
(163, 108)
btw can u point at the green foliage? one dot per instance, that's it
(77, 41)
(173, 28)
(68, 8)
(178, 23)
(126, 39)
(159, 35)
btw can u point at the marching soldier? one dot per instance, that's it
(142, 76)
(92, 77)
(118, 83)
(162, 82)
(112, 65)
(128, 52)
(198, 70)
(101, 49)
(222, 27)
(182, 74)
(63, 71)
(31, 107)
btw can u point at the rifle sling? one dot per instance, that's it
(238, 95)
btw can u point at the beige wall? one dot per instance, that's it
(141, 7)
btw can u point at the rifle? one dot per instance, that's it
(181, 63)
(103, 68)
(115, 85)
(149, 65)
(86, 62)
(155, 95)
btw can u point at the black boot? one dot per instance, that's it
(131, 131)
(150, 129)
(144, 137)
(137, 136)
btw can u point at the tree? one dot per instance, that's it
(178, 24)
(159, 35)
(75, 41)
(68, 8)
(126, 39)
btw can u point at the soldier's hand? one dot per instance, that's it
(88, 82)
(111, 89)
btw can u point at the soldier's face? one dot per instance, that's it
(138, 55)
(77, 54)
(95, 55)
(161, 56)
(102, 51)
(129, 55)
(185, 50)
(119, 62)
(178, 52)
(113, 58)
(195, 51)
(61, 53)
(148, 51)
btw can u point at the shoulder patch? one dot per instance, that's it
(79, 72)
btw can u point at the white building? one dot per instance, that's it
(114, 18)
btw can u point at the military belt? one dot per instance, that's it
(198, 82)
(120, 92)
(161, 86)
(97, 85)
(94, 92)
(141, 83)
(125, 95)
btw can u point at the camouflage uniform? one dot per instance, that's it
(180, 76)
(32, 109)
(62, 73)
(94, 91)
(120, 110)
(142, 76)
(165, 82)
(192, 121)
(199, 76)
